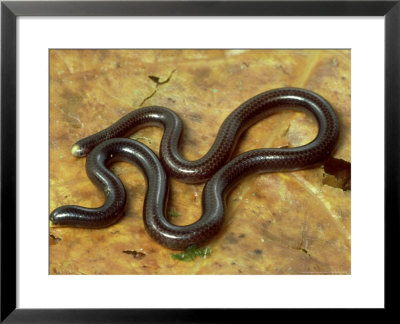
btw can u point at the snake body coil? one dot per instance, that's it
(222, 178)
(250, 112)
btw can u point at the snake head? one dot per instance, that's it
(78, 151)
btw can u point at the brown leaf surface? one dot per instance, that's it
(278, 223)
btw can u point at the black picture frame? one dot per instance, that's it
(10, 10)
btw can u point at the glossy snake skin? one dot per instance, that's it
(222, 175)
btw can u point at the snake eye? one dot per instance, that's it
(77, 151)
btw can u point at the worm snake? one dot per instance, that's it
(105, 149)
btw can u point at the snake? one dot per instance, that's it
(216, 167)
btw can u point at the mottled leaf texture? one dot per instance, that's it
(277, 223)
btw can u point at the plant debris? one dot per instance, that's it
(191, 253)
(136, 255)
(338, 173)
(173, 214)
